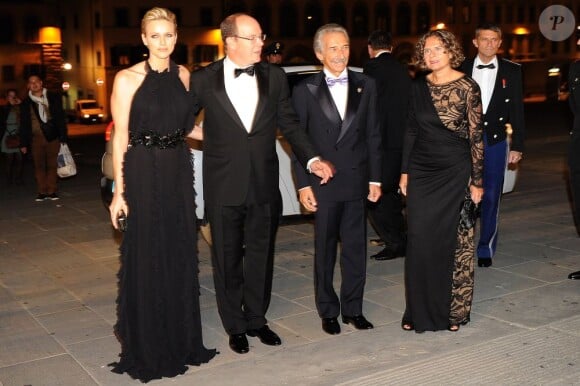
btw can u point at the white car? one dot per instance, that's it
(290, 204)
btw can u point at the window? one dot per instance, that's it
(6, 29)
(263, 14)
(76, 21)
(383, 16)
(313, 15)
(532, 14)
(466, 12)
(509, 14)
(482, 13)
(8, 73)
(403, 19)
(450, 12)
(99, 59)
(97, 20)
(121, 17)
(521, 17)
(497, 14)
(337, 13)
(206, 17)
(423, 19)
(31, 27)
(235, 6)
(179, 54)
(360, 20)
(288, 19)
(77, 54)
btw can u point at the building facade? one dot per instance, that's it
(99, 37)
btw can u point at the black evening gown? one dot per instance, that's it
(159, 325)
(443, 149)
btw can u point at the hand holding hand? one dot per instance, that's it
(307, 199)
(323, 169)
(374, 193)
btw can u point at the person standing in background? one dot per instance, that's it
(393, 87)
(10, 126)
(43, 129)
(501, 86)
(273, 53)
(337, 108)
(574, 153)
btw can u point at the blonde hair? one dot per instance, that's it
(158, 13)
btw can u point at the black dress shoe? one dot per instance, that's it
(388, 254)
(484, 262)
(574, 275)
(331, 326)
(239, 343)
(358, 321)
(266, 335)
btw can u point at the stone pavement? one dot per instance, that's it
(58, 262)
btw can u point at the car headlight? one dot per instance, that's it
(86, 115)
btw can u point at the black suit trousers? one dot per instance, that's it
(386, 215)
(243, 260)
(344, 221)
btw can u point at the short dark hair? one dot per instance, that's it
(487, 26)
(380, 40)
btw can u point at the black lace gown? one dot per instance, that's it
(443, 150)
(159, 325)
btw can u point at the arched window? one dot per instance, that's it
(263, 14)
(383, 16)
(288, 19)
(337, 13)
(360, 19)
(423, 18)
(403, 19)
(313, 15)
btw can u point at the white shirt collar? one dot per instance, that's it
(478, 61)
(329, 75)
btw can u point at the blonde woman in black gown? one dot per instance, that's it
(159, 325)
(442, 162)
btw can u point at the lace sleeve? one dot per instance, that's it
(474, 117)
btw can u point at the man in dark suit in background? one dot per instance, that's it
(574, 153)
(393, 85)
(244, 102)
(337, 107)
(501, 86)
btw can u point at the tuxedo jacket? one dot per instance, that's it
(234, 158)
(506, 104)
(57, 128)
(353, 145)
(393, 90)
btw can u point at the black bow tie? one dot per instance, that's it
(248, 70)
(491, 66)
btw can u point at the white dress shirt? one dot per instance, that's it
(243, 93)
(339, 92)
(485, 78)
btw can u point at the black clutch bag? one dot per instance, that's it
(122, 221)
(469, 212)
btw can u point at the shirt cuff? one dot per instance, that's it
(374, 183)
(310, 161)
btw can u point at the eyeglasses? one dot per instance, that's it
(260, 37)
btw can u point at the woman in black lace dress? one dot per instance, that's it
(159, 325)
(442, 162)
